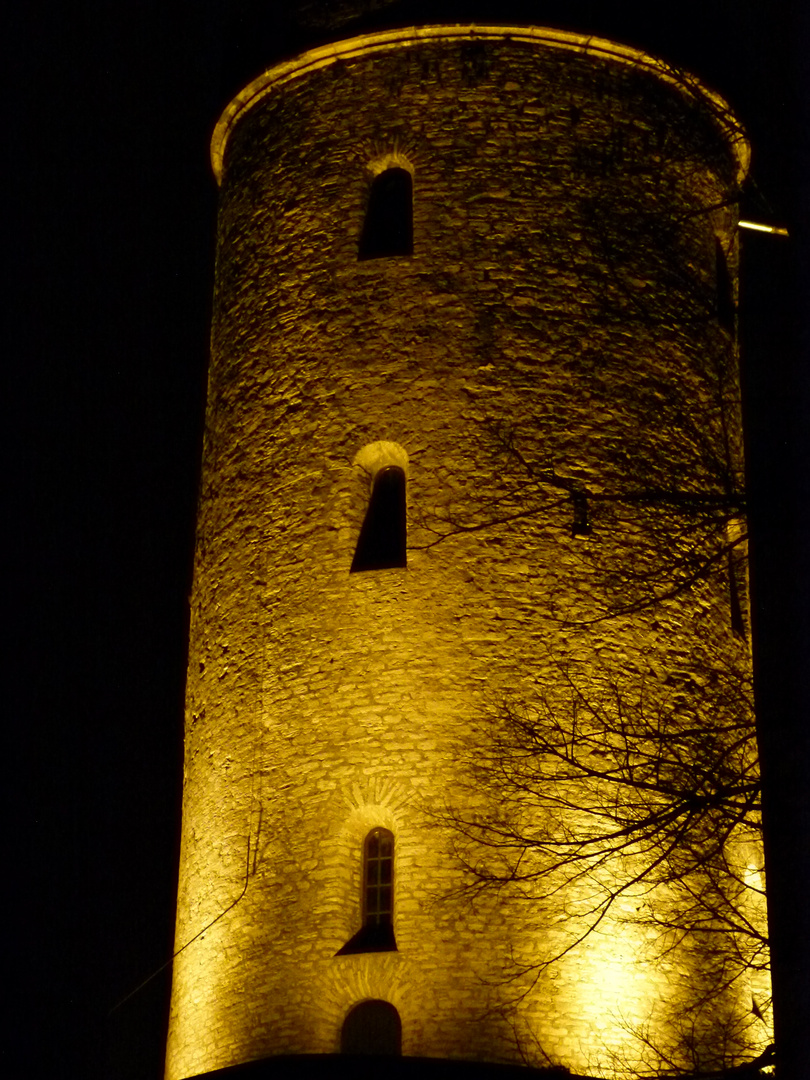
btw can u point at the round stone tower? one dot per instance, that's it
(473, 370)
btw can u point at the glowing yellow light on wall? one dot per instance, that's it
(756, 226)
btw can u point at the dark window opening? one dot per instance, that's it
(377, 932)
(372, 1027)
(383, 537)
(725, 291)
(388, 227)
(581, 524)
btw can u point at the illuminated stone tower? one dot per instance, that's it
(472, 286)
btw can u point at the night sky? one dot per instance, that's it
(109, 268)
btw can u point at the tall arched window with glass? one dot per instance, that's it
(376, 933)
(378, 877)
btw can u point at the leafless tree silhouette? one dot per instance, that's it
(618, 789)
(638, 799)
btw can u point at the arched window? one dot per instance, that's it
(382, 541)
(378, 878)
(377, 932)
(372, 1027)
(388, 227)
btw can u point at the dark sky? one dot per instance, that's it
(109, 257)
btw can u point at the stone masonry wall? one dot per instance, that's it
(561, 300)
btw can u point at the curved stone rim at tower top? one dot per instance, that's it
(387, 40)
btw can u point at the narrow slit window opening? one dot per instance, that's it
(737, 619)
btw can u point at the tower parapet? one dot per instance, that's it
(473, 449)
